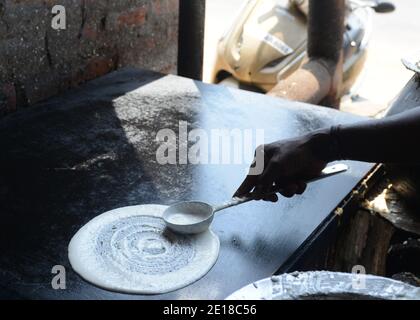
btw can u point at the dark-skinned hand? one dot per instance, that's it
(287, 165)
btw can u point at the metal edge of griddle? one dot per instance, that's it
(325, 231)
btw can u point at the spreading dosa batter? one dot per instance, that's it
(130, 250)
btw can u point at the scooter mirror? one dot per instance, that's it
(383, 7)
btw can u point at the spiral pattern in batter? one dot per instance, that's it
(141, 244)
(130, 250)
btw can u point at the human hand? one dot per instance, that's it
(287, 165)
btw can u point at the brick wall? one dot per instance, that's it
(37, 61)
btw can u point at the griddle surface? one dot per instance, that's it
(91, 150)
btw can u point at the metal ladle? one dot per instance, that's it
(192, 217)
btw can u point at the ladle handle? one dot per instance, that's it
(327, 172)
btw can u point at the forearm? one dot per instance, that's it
(389, 140)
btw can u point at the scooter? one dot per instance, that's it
(267, 42)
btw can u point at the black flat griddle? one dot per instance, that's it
(91, 150)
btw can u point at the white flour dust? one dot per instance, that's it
(130, 250)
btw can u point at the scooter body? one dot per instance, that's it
(267, 42)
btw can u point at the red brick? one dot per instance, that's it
(116, 26)
(173, 5)
(160, 7)
(42, 88)
(173, 35)
(89, 32)
(170, 68)
(134, 17)
(98, 67)
(150, 43)
(156, 7)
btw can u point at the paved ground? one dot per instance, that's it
(394, 35)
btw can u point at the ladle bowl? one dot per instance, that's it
(189, 217)
(192, 217)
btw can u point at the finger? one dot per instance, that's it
(265, 182)
(282, 182)
(301, 187)
(246, 187)
(268, 176)
(271, 198)
(289, 191)
(259, 193)
(251, 179)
